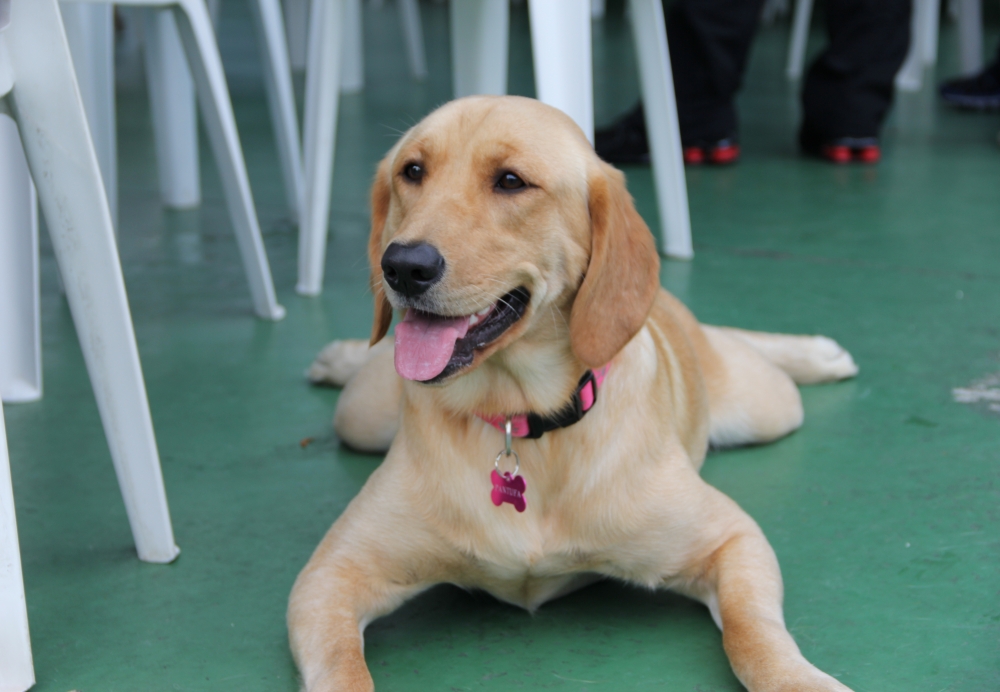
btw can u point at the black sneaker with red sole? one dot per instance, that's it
(721, 153)
(979, 92)
(841, 150)
(624, 141)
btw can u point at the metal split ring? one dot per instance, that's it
(503, 453)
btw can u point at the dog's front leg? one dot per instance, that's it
(741, 584)
(374, 557)
(332, 601)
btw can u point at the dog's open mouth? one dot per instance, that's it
(431, 347)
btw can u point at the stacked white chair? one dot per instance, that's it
(352, 71)
(192, 21)
(38, 90)
(88, 26)
(560, 31)
(330, 24)
(20, 324)
(970, 35)
(16, 673)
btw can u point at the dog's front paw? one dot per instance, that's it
(338, 362)
(811, 680)
(350, 676)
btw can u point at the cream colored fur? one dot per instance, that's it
(617, 494)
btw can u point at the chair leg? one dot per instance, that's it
(214, 11)
(560, 43)
(280, 98)
(172, 107)
(413, 34)
(657, 80)
(297, 31)
(198, 37)
(323, 74)
(16, 671)
(930, 21)
(46, 104)
(970, 35)
(911, 74)
(798, 39)
(20, 332)
(90, 32)
(480, 33)
(352, 60)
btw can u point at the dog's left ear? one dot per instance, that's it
(381, 195)
(623, 276)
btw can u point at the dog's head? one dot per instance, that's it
(494, 227)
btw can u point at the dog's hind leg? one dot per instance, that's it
(341, 360)
(751, 400)
(751, 377)
(367, 415)
(807, 359)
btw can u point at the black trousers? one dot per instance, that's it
(994, 67)
(847, 90)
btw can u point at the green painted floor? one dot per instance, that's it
(884, 509)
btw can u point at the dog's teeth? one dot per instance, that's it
(478, 317)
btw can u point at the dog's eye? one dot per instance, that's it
(414, 172)
(509, 181)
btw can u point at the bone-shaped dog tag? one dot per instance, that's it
(507, 488)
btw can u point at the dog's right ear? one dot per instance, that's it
(381, 194)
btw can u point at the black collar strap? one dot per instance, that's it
(533, 426)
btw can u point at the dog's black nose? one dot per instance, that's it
(412, 269)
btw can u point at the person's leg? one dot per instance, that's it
(709, 42)
(849, 87)
(979, 91)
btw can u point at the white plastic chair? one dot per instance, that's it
(38, 90)
(560, 41)
(20, 326)
(923, 44)
(352, 70)
(171, 92)
(560, 31)
(970, 35)
(196, 31)
(324, 72)
(16, 672)
(90, 33)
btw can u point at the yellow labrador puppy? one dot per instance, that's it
(550, 404)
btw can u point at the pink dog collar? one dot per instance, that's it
(533, 426)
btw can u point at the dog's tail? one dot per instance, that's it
(806, 359)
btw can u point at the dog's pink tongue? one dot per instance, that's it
(424, 343)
